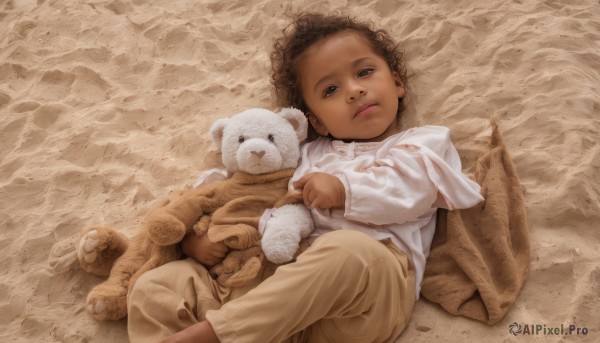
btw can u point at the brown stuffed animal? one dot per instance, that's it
(260, 149)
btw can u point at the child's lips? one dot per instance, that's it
(364, 110)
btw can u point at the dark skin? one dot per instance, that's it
(201, 249)
(321, 190)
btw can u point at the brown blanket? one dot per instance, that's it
(479, 257)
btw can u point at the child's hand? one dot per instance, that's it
(321, 190)
(201, 249)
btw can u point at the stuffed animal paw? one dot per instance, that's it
(107, 302)
(286, 227)
(99, 247)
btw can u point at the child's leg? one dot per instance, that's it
(172, 297)
(346, 287)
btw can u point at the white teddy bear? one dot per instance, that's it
(282, 228)
(286, 226)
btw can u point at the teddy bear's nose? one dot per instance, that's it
(258, 154)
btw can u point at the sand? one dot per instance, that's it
(105, 108)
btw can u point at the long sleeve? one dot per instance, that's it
(406, 178)
(393, 190)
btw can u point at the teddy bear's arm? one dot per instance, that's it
(284, 230)
(168, 223)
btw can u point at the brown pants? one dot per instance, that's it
(347, 287)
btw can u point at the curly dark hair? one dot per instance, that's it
(304, 31)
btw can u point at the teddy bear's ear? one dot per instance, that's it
(297, 119)
(216, 132)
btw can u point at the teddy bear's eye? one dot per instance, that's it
(241, 139)
(271, 138)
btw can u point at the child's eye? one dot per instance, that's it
(365, 72)
(330, 91)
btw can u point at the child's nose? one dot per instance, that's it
(356, 92)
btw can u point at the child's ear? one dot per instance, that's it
(400, 90)
(317, 125)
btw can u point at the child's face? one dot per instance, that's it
(349, 89)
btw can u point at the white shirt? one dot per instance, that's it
(393, 188)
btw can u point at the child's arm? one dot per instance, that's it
(201, 249)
